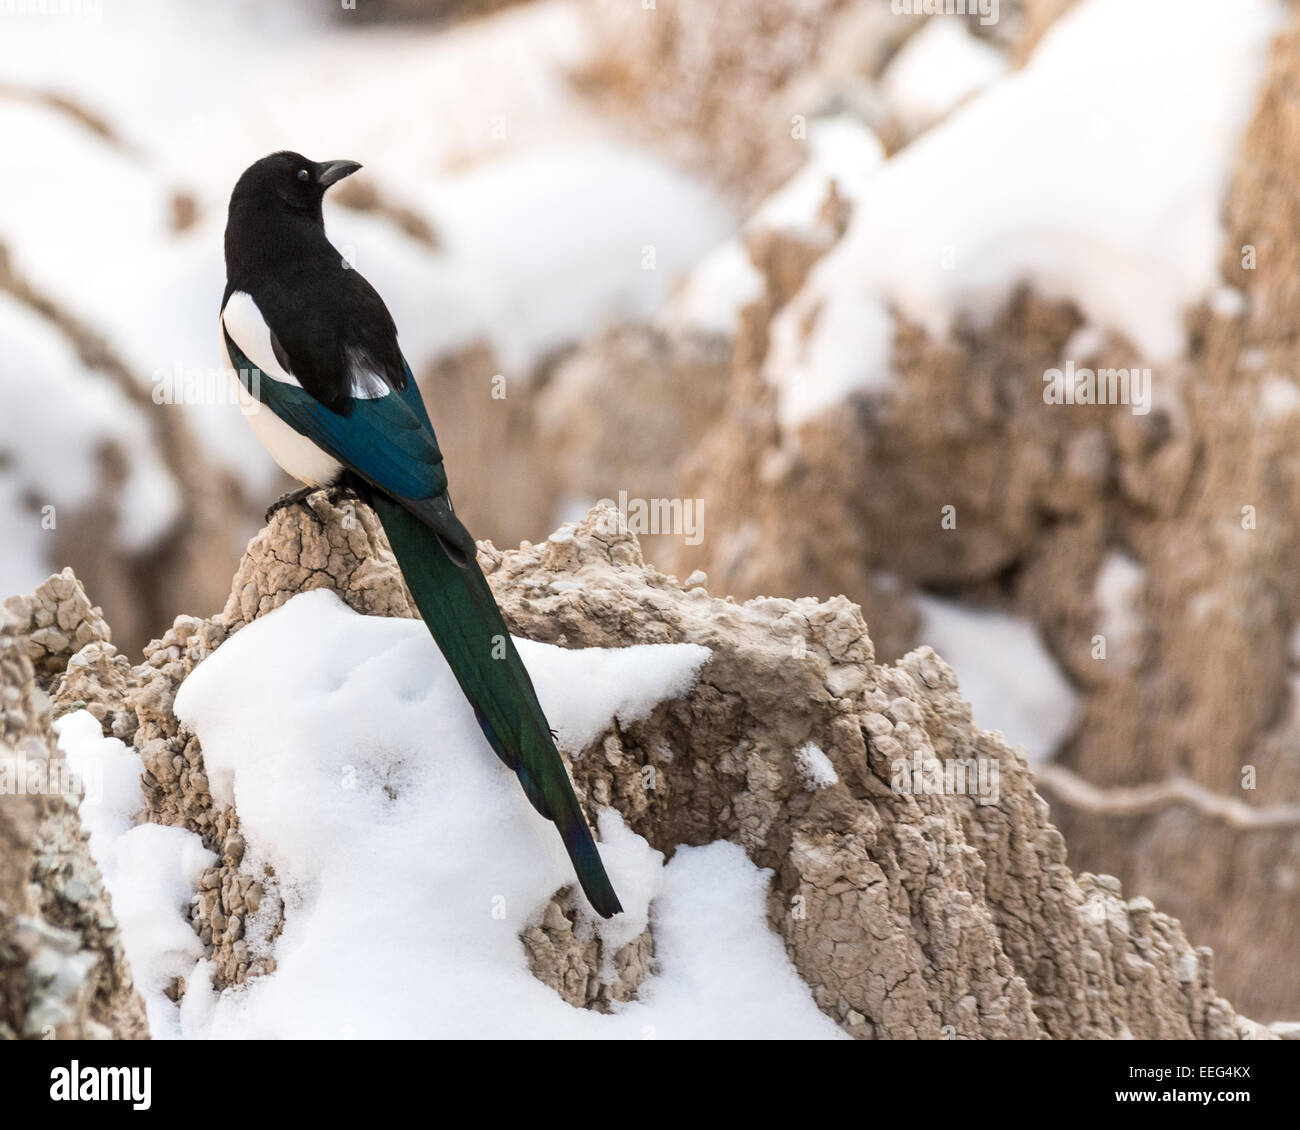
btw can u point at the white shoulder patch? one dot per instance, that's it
(366, 383)
(248, 330)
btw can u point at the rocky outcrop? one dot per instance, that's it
(729, 88)
(973, 892)
(910, 908)
(1190, 507)
(63, 974)
(565, 952)
(699, 78)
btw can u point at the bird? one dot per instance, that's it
(336, 406)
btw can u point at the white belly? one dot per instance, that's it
(292, 451)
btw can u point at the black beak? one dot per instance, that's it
(330, 172)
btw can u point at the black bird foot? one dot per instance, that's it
(341, 492)
(293, 498)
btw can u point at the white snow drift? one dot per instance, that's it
(408, 859)
(1095, 175)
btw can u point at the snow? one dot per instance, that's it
(815, 768)
(114, 799)
(841, 150)
(83, 209)
(178, 92)
(715, 292)
(624, 683)
(1006, 674)
(1228, 302)
(486, 89)
(150, 870)
(23, 562)
(1098, 185)
(1278, 397)
(1118, 590)
(710, 299)
(409, 861)
(565, 239)
(936, 70)
(58, 415)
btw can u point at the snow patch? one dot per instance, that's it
(407, 858)
(936, 70)
(842, 152)
(1101, 186)
(150, 870)
(58, 415)
(815, 768)
(1279, 397)
(1119, 585)
(587, 688)
(1006, 674)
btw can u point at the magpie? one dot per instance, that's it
(313, 344)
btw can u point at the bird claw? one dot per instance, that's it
(334, 494)
(292, 498)
(340, 492)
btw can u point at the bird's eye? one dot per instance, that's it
(302, 174)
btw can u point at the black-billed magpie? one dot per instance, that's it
(314, 344)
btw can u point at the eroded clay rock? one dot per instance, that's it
(706, 79)
(63, 973)
(56, 621)
(909, 913)
(565, 952)
(1192, 502)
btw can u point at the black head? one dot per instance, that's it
(290, 181)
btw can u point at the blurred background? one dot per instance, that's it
(801, 270)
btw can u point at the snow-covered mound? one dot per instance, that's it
(407, 861)
(1102, 185)
(342, 855)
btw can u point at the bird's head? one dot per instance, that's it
(291, 181)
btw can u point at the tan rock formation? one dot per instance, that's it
(1200, 496)
(705, 80)
(63, 974)
(925, 914)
